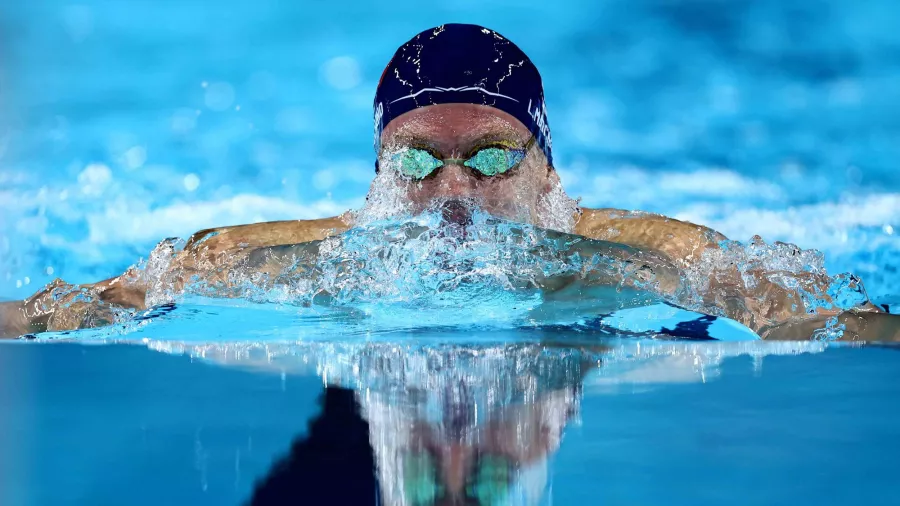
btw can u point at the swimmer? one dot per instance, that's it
(459, 117)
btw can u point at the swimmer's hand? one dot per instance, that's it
(13, 322)
(60, 306)
(32, 314)
(853, 325)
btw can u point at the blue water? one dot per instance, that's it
(776, 118)
(80, 427)
(122, 123)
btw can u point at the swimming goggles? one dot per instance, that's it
(487, 486)
(419, 163)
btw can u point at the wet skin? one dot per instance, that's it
(458, 131)
(455, 131)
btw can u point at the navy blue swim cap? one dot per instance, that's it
(462, 64)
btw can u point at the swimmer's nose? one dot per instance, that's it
(455, 464)
(453, 181)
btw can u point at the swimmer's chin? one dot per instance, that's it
(457, 211)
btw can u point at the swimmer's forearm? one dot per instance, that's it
(681, 241)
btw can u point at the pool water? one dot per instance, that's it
(124, 424)
(122, 124)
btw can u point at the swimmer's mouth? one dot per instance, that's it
(456, 212)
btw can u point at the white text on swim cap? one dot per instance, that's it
(379, 112)
(539, 115)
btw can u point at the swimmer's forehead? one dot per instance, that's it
(448, 127)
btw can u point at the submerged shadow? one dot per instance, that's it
(332, 464)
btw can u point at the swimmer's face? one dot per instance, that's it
(457, 131)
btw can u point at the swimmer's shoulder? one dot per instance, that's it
(270, 233)
(680, 240)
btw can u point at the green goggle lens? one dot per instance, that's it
(490, 485)
(416, 163)
(420, 484)
(493, 161)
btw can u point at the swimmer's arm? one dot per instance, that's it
(769, 309)
(60, 306)
(209, 255)
(681, 241)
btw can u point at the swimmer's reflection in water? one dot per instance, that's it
(335, 463)
(472, 449)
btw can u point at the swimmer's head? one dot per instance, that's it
(460, 117)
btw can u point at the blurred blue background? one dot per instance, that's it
(124, 122)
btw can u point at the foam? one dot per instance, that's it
(184, 218)
(126, 221)
(423, 263)
(825, 225)
(632, 187)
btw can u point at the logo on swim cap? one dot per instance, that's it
(379, 112)
(439, 89)
(468, 64)
(539, 116)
